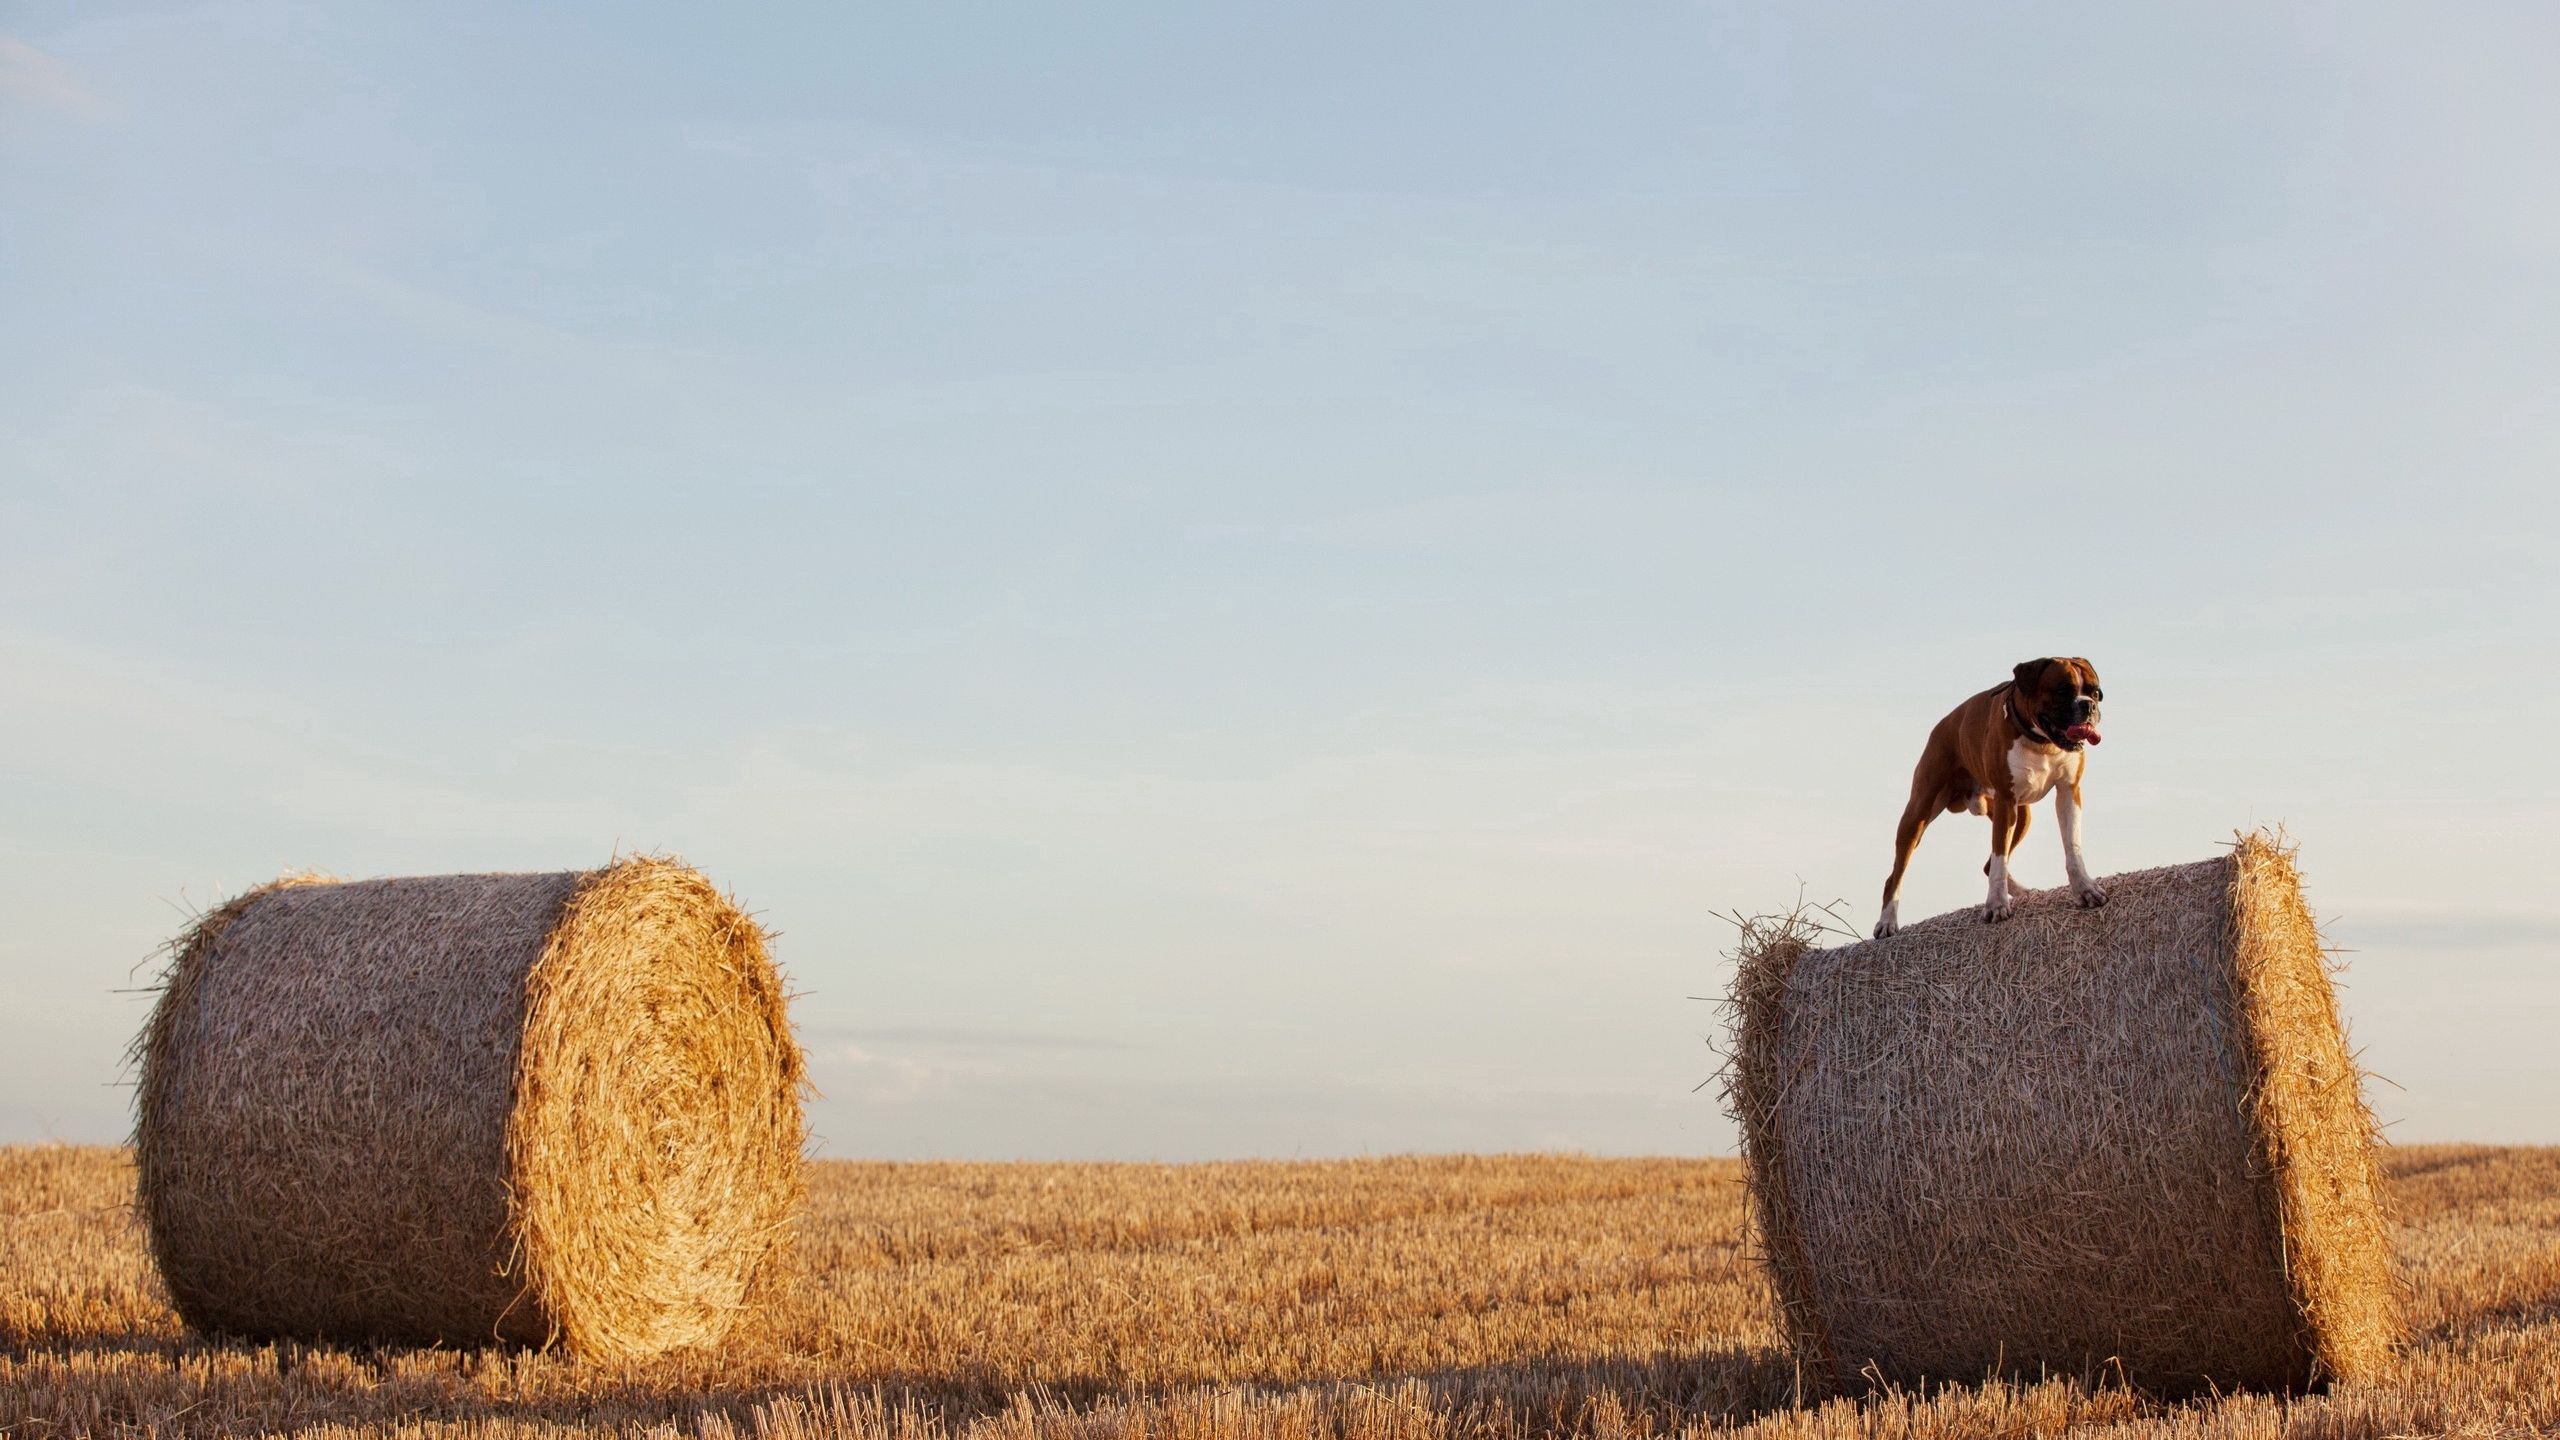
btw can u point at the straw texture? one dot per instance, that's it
(553, 1108)
(2123, 1142)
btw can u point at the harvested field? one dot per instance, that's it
(1475, 1296)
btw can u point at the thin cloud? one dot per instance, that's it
(858, 1074)
(2490, 931)
(29, 76)
(508, 333)
(955, 1037)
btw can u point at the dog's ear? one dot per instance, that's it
(2029, 672)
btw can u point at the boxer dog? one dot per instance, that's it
(1997, 754)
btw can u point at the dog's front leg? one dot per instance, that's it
(2066, 812)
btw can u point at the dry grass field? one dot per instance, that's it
(1493, 1296)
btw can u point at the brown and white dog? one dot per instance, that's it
(1997, 754)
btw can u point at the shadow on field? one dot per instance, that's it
(1538, 1393)
(2522, 1313)
(17, 1346)
(1725, 1383)
(193, 1386)
(1666, 1390)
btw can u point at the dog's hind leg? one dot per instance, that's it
(1906, 839)
(2004, 832)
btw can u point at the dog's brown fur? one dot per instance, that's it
(1966, 765)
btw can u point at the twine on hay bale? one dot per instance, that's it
(2124, 1143)
(537, 1109)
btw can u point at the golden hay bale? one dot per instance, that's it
(471, 1108)
(2118, 1142)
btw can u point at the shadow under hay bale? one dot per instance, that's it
(2127, 1142)
(471, 1108)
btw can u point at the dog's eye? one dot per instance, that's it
(2097, 694)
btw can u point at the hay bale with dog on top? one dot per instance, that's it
(464, 1109)
(2126, 1143)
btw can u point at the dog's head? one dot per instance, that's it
(2060, 694)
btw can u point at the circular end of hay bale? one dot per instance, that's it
(2319, 1148)
(654, 1164)
(2127, 1143)
(557, 1108)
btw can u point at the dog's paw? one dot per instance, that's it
(2091, 897)
(1997, 911)
(1885, 929)
(2018, 891)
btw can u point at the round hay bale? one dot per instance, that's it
(463, 1109)
(2121, 1143)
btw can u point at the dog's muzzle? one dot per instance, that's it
(2081, 728)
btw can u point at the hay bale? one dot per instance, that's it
(471, 1108)
(2119, 1142)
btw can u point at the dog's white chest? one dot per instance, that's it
(2035, 769)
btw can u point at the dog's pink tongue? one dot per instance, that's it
(2084, 734)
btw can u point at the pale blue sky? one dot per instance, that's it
(1245, 579)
